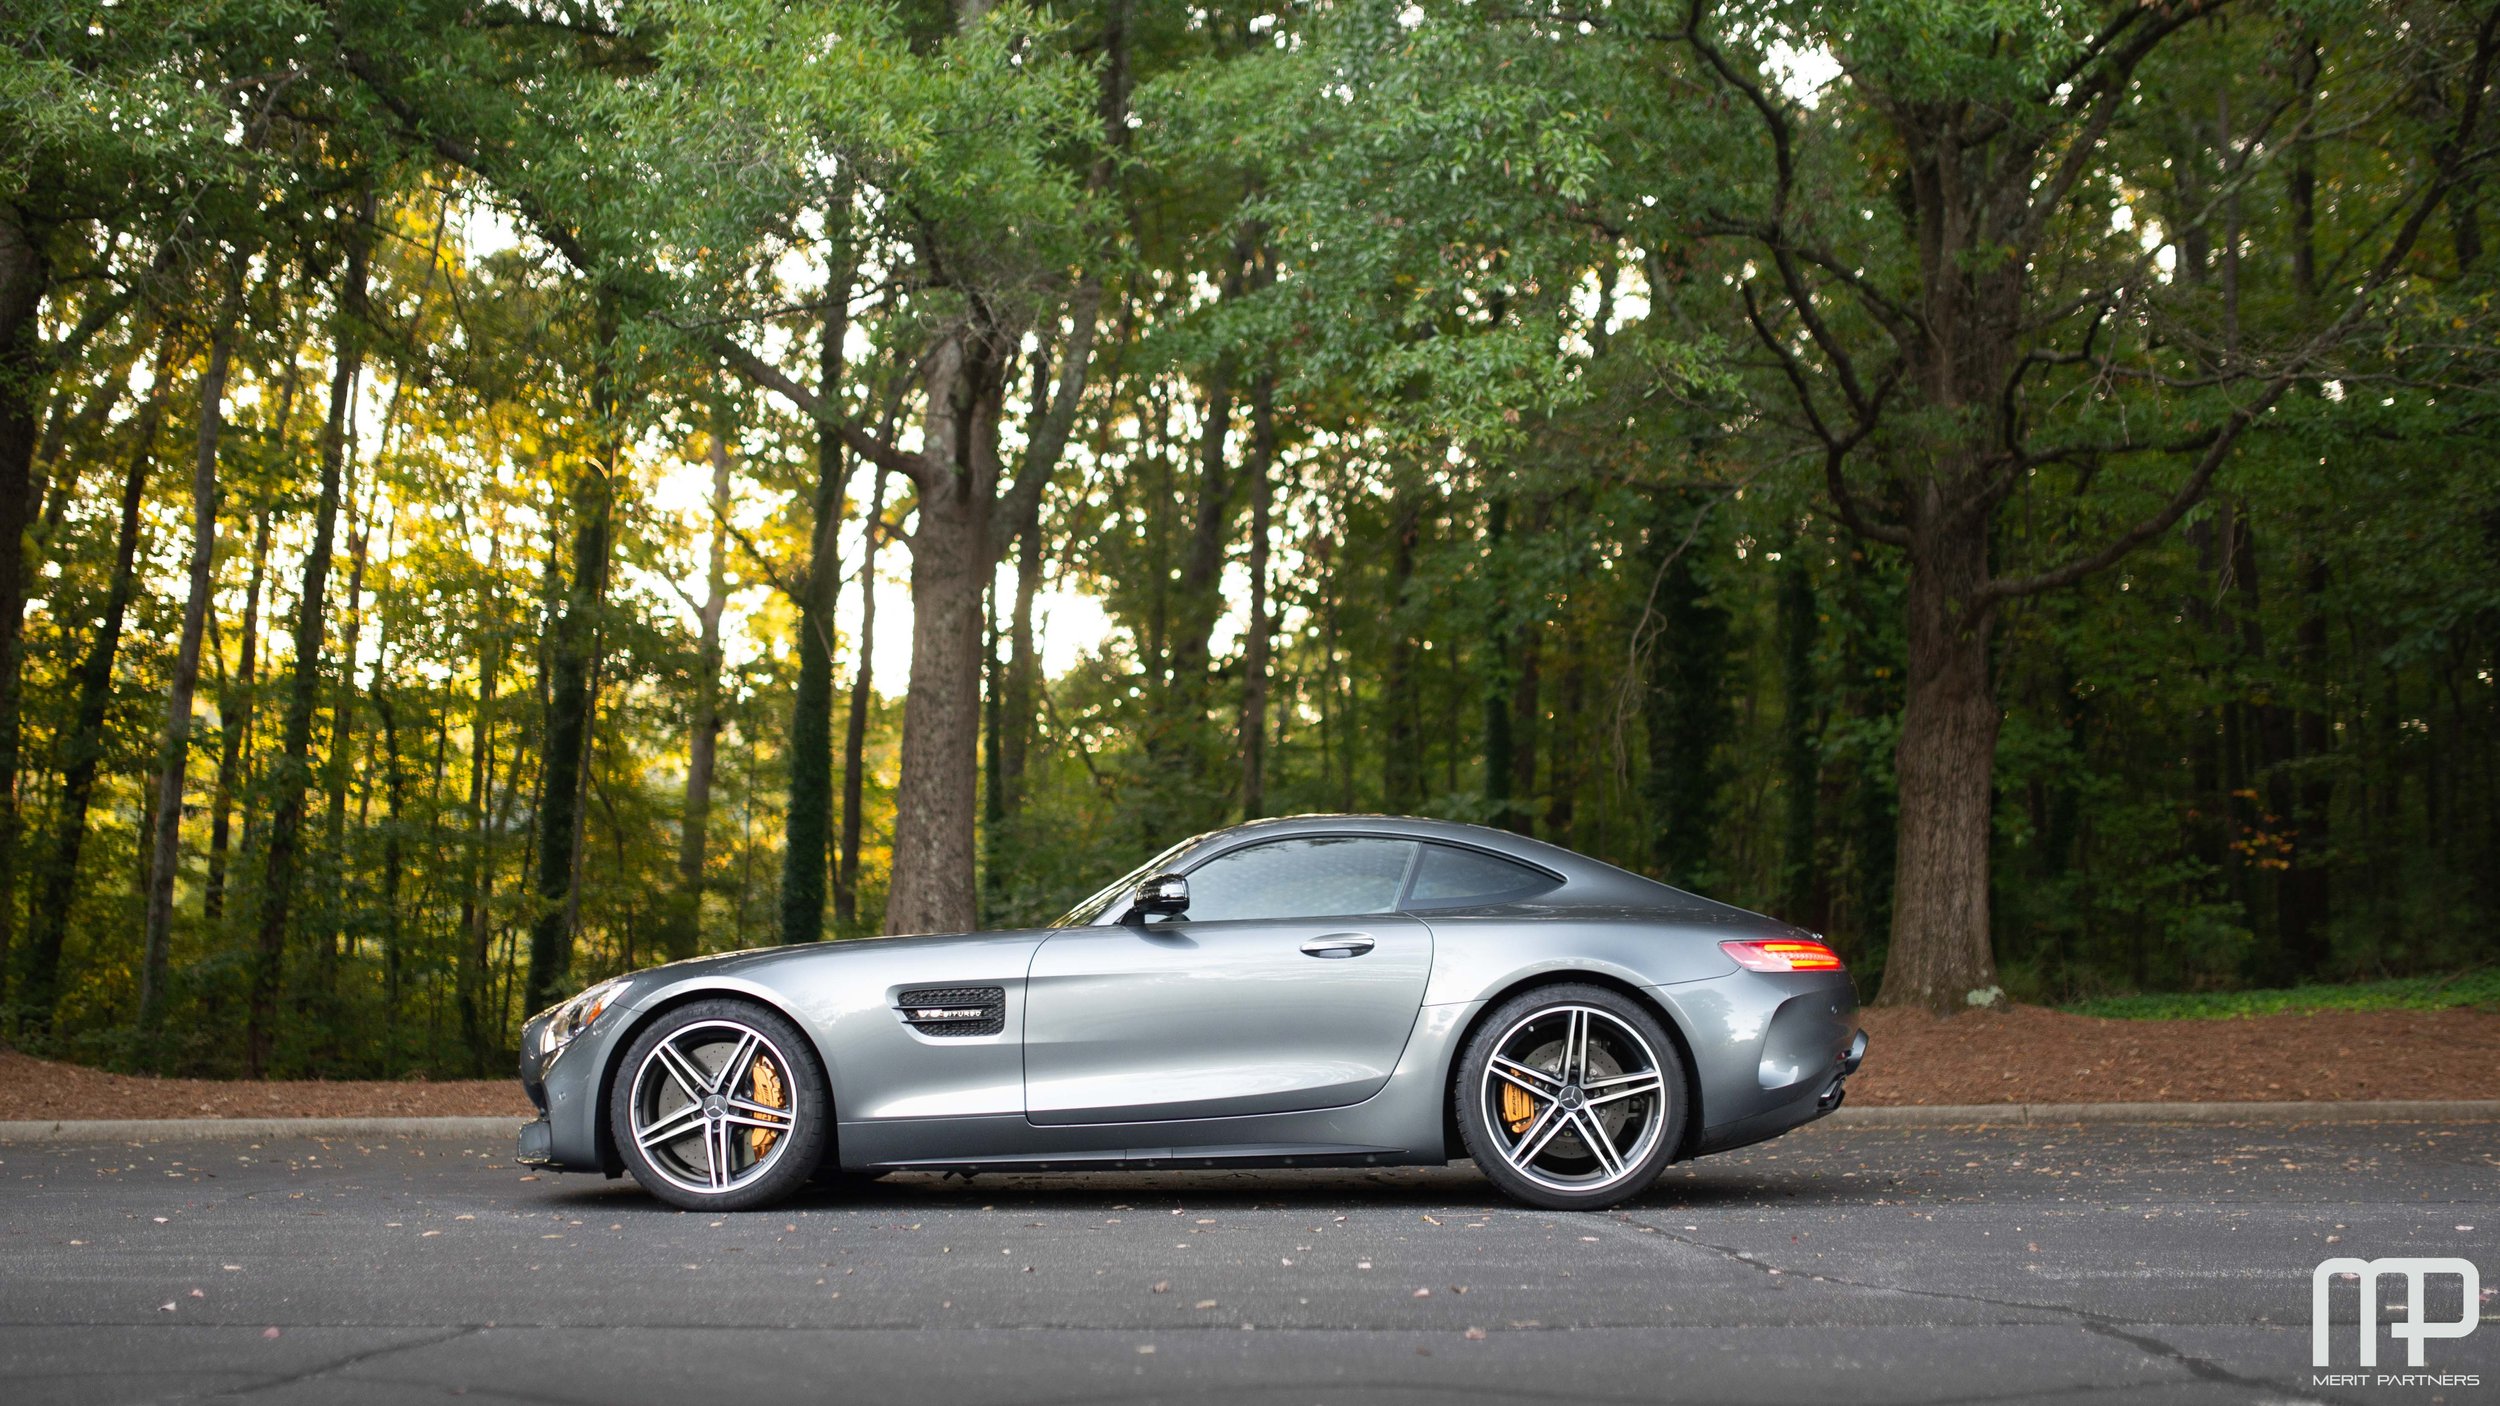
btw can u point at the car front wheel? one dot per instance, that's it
(720, 1106)
(1571, 1097)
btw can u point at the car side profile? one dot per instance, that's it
(1317, 991)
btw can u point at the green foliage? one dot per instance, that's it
(1472, 305)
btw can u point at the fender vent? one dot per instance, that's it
(954, 1010)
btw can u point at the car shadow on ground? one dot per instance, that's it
(1457, 1187)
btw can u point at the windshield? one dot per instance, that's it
(1087, 913)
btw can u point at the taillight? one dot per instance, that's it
(1783, 955)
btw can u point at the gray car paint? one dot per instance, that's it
(1131, 1022)
(1188, 1043)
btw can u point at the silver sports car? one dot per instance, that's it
(1321, 991)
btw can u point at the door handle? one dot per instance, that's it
(1338, 944)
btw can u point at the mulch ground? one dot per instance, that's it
(2024, 1055)
(33, 1088)
(2033, 1055)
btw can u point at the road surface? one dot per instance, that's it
(1866, 1265)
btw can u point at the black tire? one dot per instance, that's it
(1639, 1081)
(762, 1165)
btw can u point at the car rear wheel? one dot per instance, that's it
(1571, 1097)
(721, 1107)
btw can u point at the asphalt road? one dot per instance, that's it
(1866, 1265)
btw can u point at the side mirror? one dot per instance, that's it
(1164, 895)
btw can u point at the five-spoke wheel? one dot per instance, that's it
(720, 1106)
(1571, 1097)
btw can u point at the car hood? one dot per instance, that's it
(757, 958)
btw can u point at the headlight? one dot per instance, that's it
(576, 1015)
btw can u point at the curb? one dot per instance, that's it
(500, 1130)
(1945, 1115)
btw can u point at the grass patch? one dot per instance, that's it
(2478, 988)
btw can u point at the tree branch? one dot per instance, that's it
(766, 376)
(2451, 160)
(1049, 439)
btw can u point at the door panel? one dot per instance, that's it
(1135, 1023)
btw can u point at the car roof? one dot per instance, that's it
(1586, 882)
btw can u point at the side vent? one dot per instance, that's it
(954, 1010)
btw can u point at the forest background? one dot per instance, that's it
(498, 493)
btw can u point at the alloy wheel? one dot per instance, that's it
(712, 1108)
(1575, 1097)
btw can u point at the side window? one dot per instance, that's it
(1449, 877)
(1317, 877)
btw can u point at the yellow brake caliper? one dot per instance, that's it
(1518, 1109)
(768, 1093)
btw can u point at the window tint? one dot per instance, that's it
(1317, 877)
(1449, 877)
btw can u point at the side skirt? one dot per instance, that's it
(1139, 1159)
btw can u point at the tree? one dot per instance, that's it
(1425, 395)
(281, 859)
(97, 114)
(82, 748)
(174, 755)
(573, 648)
(1926, 341)
(684, 930)
(1926, 255)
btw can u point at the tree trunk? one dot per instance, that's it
(294, 767)
(82, 750)
(1569, 764)
(1686, 714)
(572, 655)
(1800, 734)
(808, 820)
(476, 905)
(1202, 560)
(682, 933)
(994, 860)
(395, 788)
(931, 889)
(937, 800)
(1526, 647)
(338, 896)
(25, 277)
(855, 727)
(1501, 656)
(54, 480)
(1023, 665)
(173, 757)
(2303, 891)
(1401, 760)
(1945, 760)
(1260, 640)
(234, 724)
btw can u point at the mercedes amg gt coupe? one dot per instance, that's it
(1320, 991)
